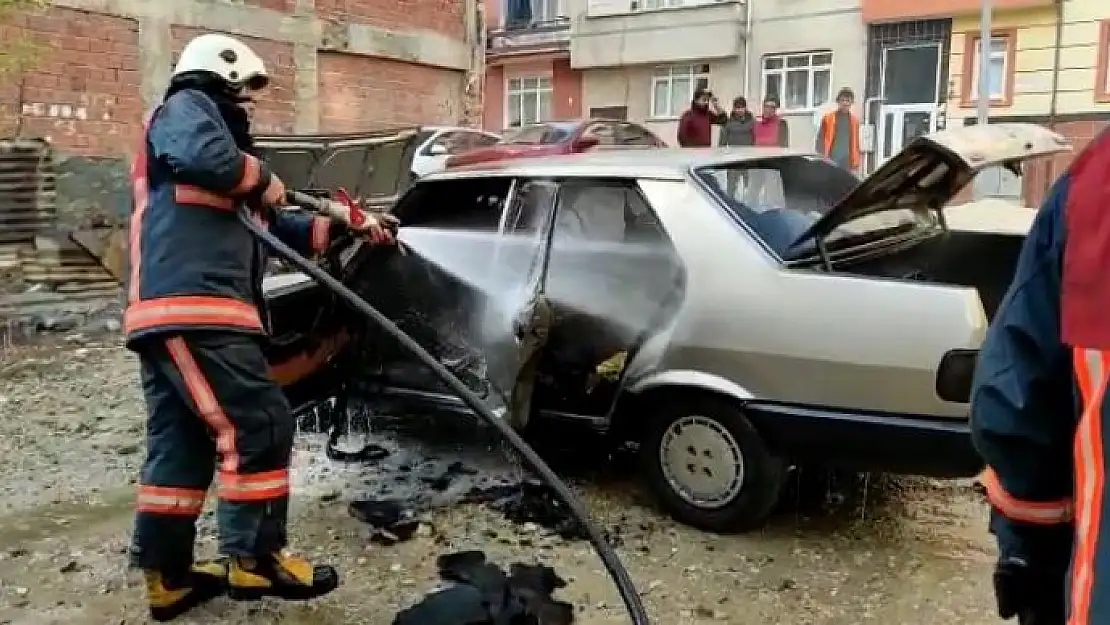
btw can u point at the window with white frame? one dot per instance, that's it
(996, 62)
(546, 10)
(649, 5)
(672, 88)
(528, 100)
(799, 80)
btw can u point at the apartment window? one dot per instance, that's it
(672, 88)
(1000, 67)
(799, 80)
(546, 10)
(528, 100)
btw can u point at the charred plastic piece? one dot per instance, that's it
(480, 593)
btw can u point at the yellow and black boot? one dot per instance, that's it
(170, 596)
(279, 575)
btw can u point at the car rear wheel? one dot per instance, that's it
(708, 466)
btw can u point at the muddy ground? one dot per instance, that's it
(71, 423)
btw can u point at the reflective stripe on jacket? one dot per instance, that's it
(828, 134)
(193, 265)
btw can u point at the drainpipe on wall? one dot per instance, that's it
(1050, 173)
(474, 83)
(747, 49)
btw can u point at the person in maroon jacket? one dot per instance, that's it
(695, 127)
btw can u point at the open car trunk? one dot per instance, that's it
(974, 245)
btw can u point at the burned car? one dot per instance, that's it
(732, 312)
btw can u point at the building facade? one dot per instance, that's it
(1048, 64)
(528, 74)
(336, 66)
(804, 52)
(642, 60)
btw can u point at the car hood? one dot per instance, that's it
(374, 167)
(932, 169)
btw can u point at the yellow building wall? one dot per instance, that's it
(1036, 33)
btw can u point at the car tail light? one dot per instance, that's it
(954, 375)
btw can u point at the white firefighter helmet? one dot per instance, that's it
(226, 57)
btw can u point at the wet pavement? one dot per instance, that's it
(71, 423)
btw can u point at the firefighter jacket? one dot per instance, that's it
(1037, 397)
(193, 264)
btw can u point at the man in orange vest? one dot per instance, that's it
(838, 135)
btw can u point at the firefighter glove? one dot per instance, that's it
(378, 229)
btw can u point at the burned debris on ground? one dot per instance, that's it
(478, 592)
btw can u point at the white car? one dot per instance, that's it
(442, 142)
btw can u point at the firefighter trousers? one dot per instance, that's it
(212, 410)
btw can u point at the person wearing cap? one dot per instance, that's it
(695, 127)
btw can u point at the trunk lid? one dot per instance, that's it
(374, 167)
(932, 169)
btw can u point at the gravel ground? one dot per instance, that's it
(71, 422)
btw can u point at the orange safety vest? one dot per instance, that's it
(828, 129)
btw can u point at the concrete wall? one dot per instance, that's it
(337, 65)
(783, 26)
(687, 33)
(1082, 40)
(631, 87)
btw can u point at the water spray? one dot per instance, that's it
(609, 558)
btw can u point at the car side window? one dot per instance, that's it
(481, 140)
(604, 132)
(530, 207)
(604, 210)
(447, 143)
(469, 203)
(633, 135)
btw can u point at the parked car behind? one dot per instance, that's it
(809, 318)
(374, 165)
(568, 137)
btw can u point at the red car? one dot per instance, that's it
(569, 137)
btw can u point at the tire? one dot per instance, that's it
(733, 500)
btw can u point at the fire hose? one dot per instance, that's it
(608, 556)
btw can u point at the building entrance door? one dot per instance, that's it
(910, 90)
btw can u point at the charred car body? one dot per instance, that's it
(734, 312)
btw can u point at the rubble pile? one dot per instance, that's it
(46, 282)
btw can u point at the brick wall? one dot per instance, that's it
(277, 110)
(83, 88)
(442, 16)
(358, 92)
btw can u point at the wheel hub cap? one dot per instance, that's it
(702, 462)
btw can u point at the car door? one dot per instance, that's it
(517, 327)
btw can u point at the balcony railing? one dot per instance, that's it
(530, 37)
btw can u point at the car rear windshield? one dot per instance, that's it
(780, 198)
(538, 134)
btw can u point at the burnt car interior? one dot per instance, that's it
(610, 278)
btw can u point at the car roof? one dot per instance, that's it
(662, 163)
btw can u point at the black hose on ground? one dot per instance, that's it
(605, 551)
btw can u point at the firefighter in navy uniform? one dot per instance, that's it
(195, 316)
(1038, 408)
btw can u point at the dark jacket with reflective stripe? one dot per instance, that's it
(1028, 401)
(193, 264)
